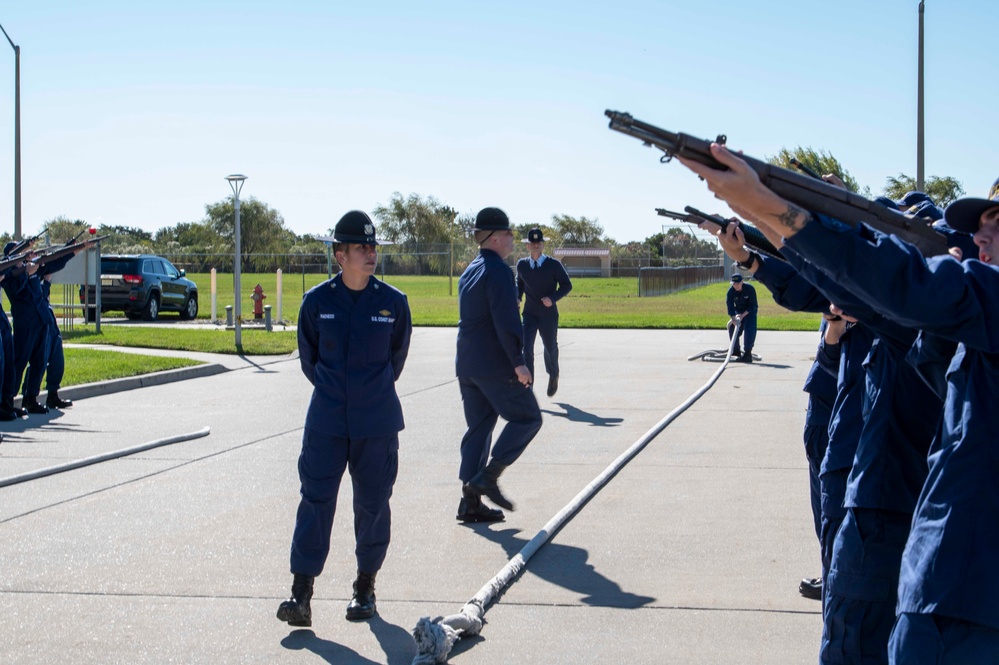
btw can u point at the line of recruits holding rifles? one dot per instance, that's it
(902, 430)
(353, 338)
(33, 348)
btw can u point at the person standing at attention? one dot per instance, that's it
(353, 339)
(544, 281)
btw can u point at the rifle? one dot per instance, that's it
(804, 169)
(57, 254)
(754, 237)
(24, 243)
(801, 190)
(13, 261)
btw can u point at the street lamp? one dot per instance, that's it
(920, 170)
(17, 135)
(236, 182)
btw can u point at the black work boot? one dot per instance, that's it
(484, 482)
(362, 605)
(296, 610)
(552, 385)
(31, 405)
(471, 508)
(747, 357)
(53, 402)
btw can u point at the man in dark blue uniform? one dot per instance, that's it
(742, 307)
(492, 373)
(544, 281)
(353, 339)
(8, 384)
(948, 592)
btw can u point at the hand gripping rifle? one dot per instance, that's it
(801, 190)
(56, 254)
(13, 261)
(24, 244)
(754, 238)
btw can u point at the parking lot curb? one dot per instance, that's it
(142, 381)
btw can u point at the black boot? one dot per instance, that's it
(552, 385)
(484, 482)
(362, 605)
(31, 405)
(747, 357)
(471, 508)
(296, 610)
(53, 402)
(8, 413)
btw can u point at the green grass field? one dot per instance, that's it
(593, 303)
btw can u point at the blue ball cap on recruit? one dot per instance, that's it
(964, 214)
(9, 246)
(926, 209)
(912, 198)
(492, 219)
(356, 227)
(736, 278)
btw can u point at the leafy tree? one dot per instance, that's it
(678, 244)
(416, 220)
(125, 240)
(262, 230)
(62, 229)
(578, 230)
(943, 191)
(820, 161)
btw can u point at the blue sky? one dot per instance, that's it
(134, 112)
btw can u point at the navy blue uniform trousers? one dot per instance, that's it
(56, 367)
(484, 400)
(8, 381)
(373, 464)
(547, 325)
(747, 331)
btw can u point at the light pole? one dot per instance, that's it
(236, 182)
(920, 170)
(17, 135)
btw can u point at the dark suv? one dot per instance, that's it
(142, 285)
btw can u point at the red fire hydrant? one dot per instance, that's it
(258, 298)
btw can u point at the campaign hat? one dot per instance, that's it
(492, 219)
(535, 235)
(964, 214)
(356, 227)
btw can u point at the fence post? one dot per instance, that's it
(215, 297)
(280, 294)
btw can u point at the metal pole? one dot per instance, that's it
(236, 182)
(17, 135)
(920, 165)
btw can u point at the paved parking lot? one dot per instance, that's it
(692, 554)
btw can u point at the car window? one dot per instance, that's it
(170, 270)
(118, 266)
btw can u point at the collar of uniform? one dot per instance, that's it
(338, 279)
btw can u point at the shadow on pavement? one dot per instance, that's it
(572, 414)
(567, 567)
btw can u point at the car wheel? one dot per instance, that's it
(152, 309)
(190, 310)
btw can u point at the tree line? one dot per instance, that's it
(429, 235)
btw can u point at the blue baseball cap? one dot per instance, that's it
(910, 199)
(9, 246)
(926, 209)
(964, 214)
(886, 202)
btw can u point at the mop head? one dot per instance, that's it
(434, 639)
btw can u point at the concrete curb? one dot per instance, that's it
(132, 382)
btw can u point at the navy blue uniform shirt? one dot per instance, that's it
(741, 301)
(548, 280)
(352, 354)
(949, 565)
(490, 334)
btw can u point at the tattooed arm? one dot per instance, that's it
(741, 188)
